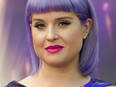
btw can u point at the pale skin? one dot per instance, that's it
(60, 69)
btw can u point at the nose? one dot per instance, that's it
(52, 35)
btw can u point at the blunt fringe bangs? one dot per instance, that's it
(84, 9)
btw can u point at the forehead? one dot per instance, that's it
(54, 15)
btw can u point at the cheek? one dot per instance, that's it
(38, 40)
(74, 40)
(73, 35)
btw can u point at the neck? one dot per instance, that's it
(68, 74)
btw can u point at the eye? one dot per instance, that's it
(39, 26)
(64, 23)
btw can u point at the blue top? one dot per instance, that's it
(92, 83)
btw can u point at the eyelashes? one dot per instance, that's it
(39, 25)
(64, 24)
(61, 24)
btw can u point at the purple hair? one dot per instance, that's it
(84, 9)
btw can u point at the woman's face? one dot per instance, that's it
(58, 37)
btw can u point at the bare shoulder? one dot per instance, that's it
(26, 81)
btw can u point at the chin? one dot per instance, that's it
(56, 63)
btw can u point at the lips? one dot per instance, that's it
(54, 49)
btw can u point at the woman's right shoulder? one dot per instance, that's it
(14, 84)
(22, 83)
(25, 81)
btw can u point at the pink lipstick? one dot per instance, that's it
(54, 49)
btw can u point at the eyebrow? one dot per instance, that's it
(66, 17)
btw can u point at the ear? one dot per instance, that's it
(86, 28)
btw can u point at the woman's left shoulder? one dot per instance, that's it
(98, 83)
(111, 86)
(101, 82)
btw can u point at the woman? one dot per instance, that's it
(63, 41)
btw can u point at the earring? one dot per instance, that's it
(84, 37)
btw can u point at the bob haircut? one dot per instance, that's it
(84, 9)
